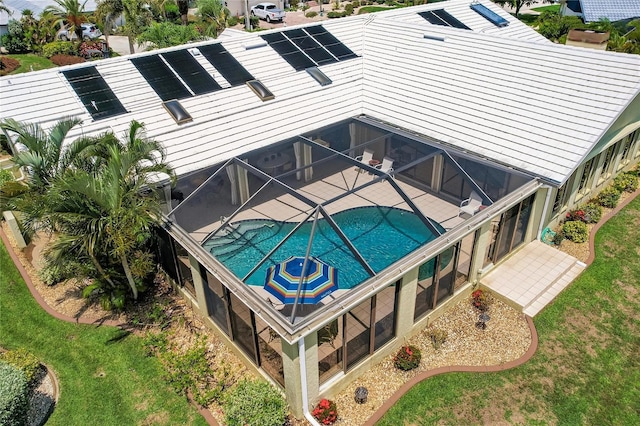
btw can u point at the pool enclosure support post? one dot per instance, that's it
(407, 302)
(301, 376)
(304, 265)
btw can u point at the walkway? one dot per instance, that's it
(533, 276)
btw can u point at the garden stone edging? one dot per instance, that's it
(27, 279)
(380, 412)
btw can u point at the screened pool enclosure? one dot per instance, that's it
(379, 206)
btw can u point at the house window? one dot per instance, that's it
(607, 164)
(509, 231)
(561, 199)
(587, 177)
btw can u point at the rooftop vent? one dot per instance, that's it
(319, 76)
(177, 112)
(433, 37)
(259, 89)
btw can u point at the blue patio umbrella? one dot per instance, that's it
(283, 279)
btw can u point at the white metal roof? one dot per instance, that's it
(538, 107)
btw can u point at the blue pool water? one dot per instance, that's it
(382, 235)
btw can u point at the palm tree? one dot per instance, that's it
(71, 13)
(137, 17)
(108, 11)
(214, 15)
(44, 156)
(110, 209)
(4, 8)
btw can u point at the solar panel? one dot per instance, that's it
(191, 72)
(332, 44)
(94, 93)
(288, 51)
(489, 15)
(226, 64)
(443, 18)
(161, 78)
(308, 45)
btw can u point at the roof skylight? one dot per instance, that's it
(259, 89)
(489, 15)
(319, 76)
(177, 111)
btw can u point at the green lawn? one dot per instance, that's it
(105, 378)
(586, 370)
(31, 62)
(550, 8)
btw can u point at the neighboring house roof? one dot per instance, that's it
(535, 106)
(35, 6)
(613, 10)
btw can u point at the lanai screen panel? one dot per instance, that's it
(226, 64)
(191, 72)
(95, 94)
(332, 44)
(443, 18)
(308, 45)
(288, 51)
(161, 78)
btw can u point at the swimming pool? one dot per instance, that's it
(382, 235)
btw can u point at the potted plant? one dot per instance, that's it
(407, 358)
(326, 412)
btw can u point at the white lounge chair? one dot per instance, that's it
(366, 156)
(471, 205)
(386, 166)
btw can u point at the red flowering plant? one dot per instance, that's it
(577, 215)
(325, 412)
(480, 300)
(407, 358)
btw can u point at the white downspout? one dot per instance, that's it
(544, 212)
(303, 381)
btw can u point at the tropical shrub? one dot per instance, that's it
(24, 361)
(480, 299)
(5, 176)
(254, 402)
(58, 48)
(575, 231)
(627, 182)
(326, 412)
(232, 21)
(311, 14)
(14, 396)
(609, 197)
(348, 9)
(438, 337)
(558, 238)
(407, 358)
(13, 41)
(592, 212)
